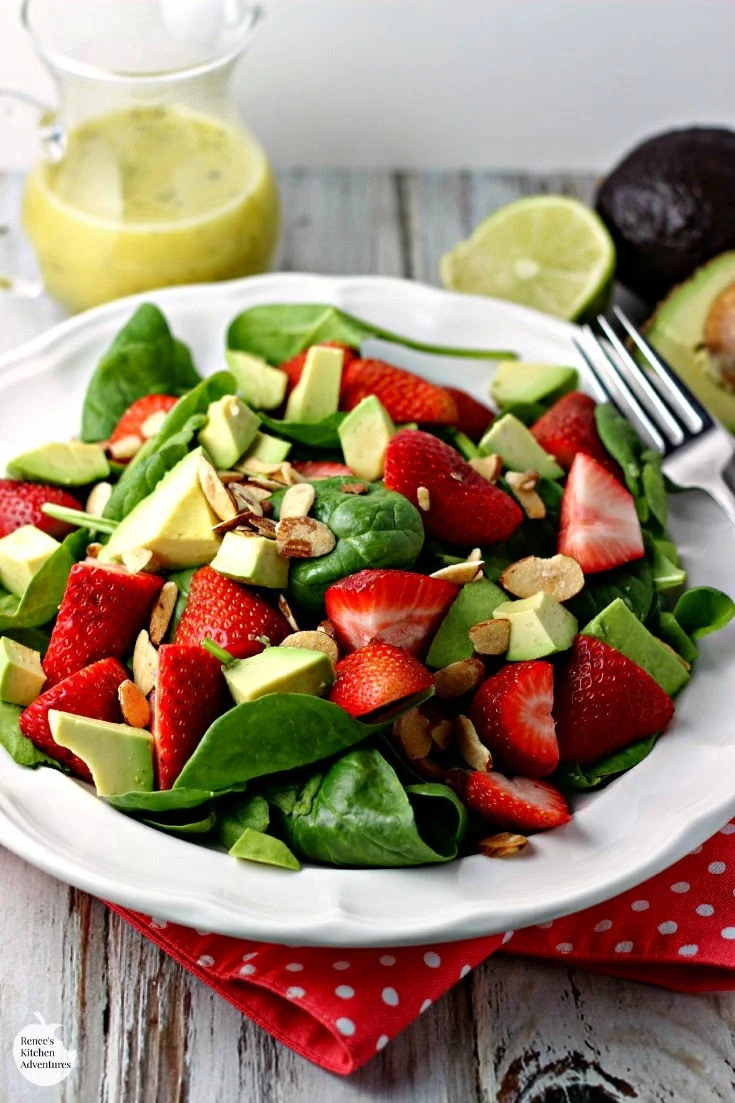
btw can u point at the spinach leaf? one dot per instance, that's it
(30, 637)
(256, 846)
(572, 776)
(317, 434)
(703, 610)
(238, 812)
(359, 814)
(668, 629)
(377, 529)
(143, 359)
(654, 487)
(183, 581)
(664, 560)
(623, 443)
(278, 331)
(18, 746)
(466, 448)
(42, 596)
(167, 800)
(183, 822)
(633, 583)
(162, 452)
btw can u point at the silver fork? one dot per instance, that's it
(695, 447)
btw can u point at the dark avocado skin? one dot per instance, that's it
(669, 206)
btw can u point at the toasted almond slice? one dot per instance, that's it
(490, 637)
(412, 731)
(162, 612)
(239, 520)
(228, 477)
(490, 467)
(153, 424)
(259, 467)
(263, 526)
(140, 559)
(98, 498)
(298, 500)
(502, 845)
(288, 613)
(259, 492)
(313, 641)
(474, 752)
(134, 705)
(145, 663)
(244, 499)
(354, 488)
(290, 475)
(327, 627)
(459, 678)
(442, 734)
(215, 491)
(559, 575)
(303, 538)
(429, 769)
(93, 550)
(461, 573)
(522, 483)
(423, 498)
(475, 556)
(125, 448)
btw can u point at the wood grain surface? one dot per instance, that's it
(511, 1032)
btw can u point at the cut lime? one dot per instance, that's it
(548, 252)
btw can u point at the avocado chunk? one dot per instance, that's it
(365, 435)
(517, 382)
(22, 554)
(251, 559)
(539, 626)
(617, 626)
(120, 758)
(518, 448)
(21, 673)
(316, 395)
(268, 449)
(175, 522)
(262, 387)
(256, 846)
(230, 429)
(64, 464)
(475, 602)
(280, 670)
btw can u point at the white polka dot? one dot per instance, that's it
(249, 957)
(680, 886)
(545, 926)
(728, 932)
(382, 1042)
(294, 967)
(507, 937)
(432, 960)
(346, 1027)
(389, 996)
(424, 1006)
(247, 970)
(387, 959)
(728, 829)
(205, 960)
(344, 991)
(705, 909)
(564, 947)
(295, 993)
(669, 927)
(159, 924)
(464, 971)
(340, 965)
(697, 850)
(603, 925)
(688, 951)
(623, 947)
(716, 867)
(640, 905)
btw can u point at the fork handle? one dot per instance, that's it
(718, 489)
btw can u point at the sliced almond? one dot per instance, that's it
(259, 467)
(145, 663)
(459, 678)
(461, 573)
(354, 488)
(303, 538)
(490, 467)
(152, 425)
(429, 769)
(140, 559)
(290, 475)
(239, 520)
(559, 575)
(442, 733)
(412, 731)
(475, 556)
(287, 612)
(228, 477)
(298, 500)
(490, 637)
(215, 491)
(473, 751)
(125, 448)
(134, 705)
(259, 492)
(502, 845)
(262, 482)
(263, 526)
(423, 498)
(522, 483)
(245, 499)
(98, 498)
(313, 641)
(163, 610)
(327, 627)
(93, 550)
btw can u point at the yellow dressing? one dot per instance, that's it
(150, 197)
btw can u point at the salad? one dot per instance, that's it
(316, 608)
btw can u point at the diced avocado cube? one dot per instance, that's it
(256, 846)
(175, 522)
(21, 673)
(316, 395)
(252, 559)
(22, 554)
(475, 602)
(518, 448)
(539, 626)
(617, 626)
(262, 387)
(365, 435)
(230, 430)
(280, 670)
(64, 464)
(120, 758)
(517, 381)
(268, 449)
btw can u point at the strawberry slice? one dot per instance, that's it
(475, 418)
(519, 804)
(132, 423)
(89, 692)
(322, 469)
(378, 677)
(398, 607)
(512, 714)
(464, 508)
(102, 611)
(294, 367)
(189, 696)
(570, 427)
(406, 397)
(231, 615)
(604, 701)
(598, 526)
(20, 504)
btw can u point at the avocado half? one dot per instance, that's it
(677, 328)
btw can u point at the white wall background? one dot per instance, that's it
(546, 84)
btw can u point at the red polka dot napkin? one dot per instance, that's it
(339, 1007)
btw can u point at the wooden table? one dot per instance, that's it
(511, 1032)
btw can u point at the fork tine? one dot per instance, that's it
(604, 392)
(633, 405)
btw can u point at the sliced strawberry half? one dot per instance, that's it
(598, 526)
(474, 418)
(517, 804)
(20, 504)
(231, 615)
(406, 397)
(189, 696)
(512, 714)
(603, 702)
(295, 366)
(378, 679)
(399, 607)
(322, 469)
(102, 611)
(89, 692)
(133, 421)
(463, 508)
(570, 427)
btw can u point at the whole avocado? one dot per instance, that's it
(669, 207)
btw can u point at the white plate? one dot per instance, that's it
(637, 826)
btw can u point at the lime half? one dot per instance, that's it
(546, 251)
